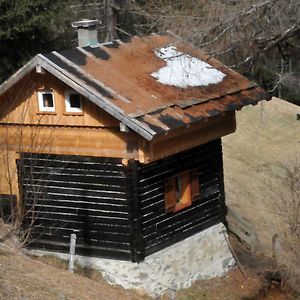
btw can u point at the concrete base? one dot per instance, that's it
(201, 256)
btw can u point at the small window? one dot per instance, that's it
(73, 102)
(46, 101)
(181, 190)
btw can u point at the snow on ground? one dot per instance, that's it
(183, 70)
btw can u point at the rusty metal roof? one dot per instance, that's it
(117, 77)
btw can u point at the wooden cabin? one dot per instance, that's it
(119, 142)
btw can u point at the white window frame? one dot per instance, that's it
(42, 108)
(70, 109)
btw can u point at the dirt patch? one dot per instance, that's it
(258, 284)
(232, 287)
(22, 277)
(63, 265)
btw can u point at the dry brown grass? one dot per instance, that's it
(261, 162)
(22, 277)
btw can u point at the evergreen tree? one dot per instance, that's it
(28, 27)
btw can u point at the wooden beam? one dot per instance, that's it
(18, 75)
(189, 137)
(69, 141)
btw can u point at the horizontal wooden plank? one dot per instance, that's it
(208, 153)
(211, 147)
(79, 178)
(88, 244)
(36, 198)
(165, 228)
(202, 173)
(151, 193)
(98, 187)
(187, 138)
(40, 209)
(183, 217)
(177, 231)
(162, 243)
(59, 217)
(206, 189)
(46, 192)
(48, 171)
(71, 158)
(82, 225)
(147, 185)
(88, 163)
(160, 215)
(87, 236)
(96, 204)
(81, 249)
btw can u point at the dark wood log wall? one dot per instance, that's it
(161, 229)
(7, 206)
(116, 211)
(84, 195)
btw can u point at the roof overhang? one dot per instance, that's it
(26, 69)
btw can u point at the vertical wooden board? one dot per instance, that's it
(195, 186)
(170, 197)
(134, 213)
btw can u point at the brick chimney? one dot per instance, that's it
(87, 32)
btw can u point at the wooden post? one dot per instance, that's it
(72, 252)
(136, 239)
(223, 207)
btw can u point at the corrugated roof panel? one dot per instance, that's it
(78, 74)
(175, 117)
(127, 67)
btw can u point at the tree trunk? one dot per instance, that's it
(110, 20)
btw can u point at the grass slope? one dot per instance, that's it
(267, 140)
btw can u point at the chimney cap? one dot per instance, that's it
(85, 23)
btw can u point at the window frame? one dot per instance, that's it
(68, 108)
(42, 108)
(190, 190)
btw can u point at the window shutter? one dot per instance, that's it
(170, 197)
(194, 179)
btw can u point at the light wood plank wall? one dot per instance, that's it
(20, 105)
(187, 137)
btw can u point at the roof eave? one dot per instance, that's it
(27, 68)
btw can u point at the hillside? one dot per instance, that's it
(267, 141)
(22, 277)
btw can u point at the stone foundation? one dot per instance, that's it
(201, 256)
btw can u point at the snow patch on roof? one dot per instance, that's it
(183, 70)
